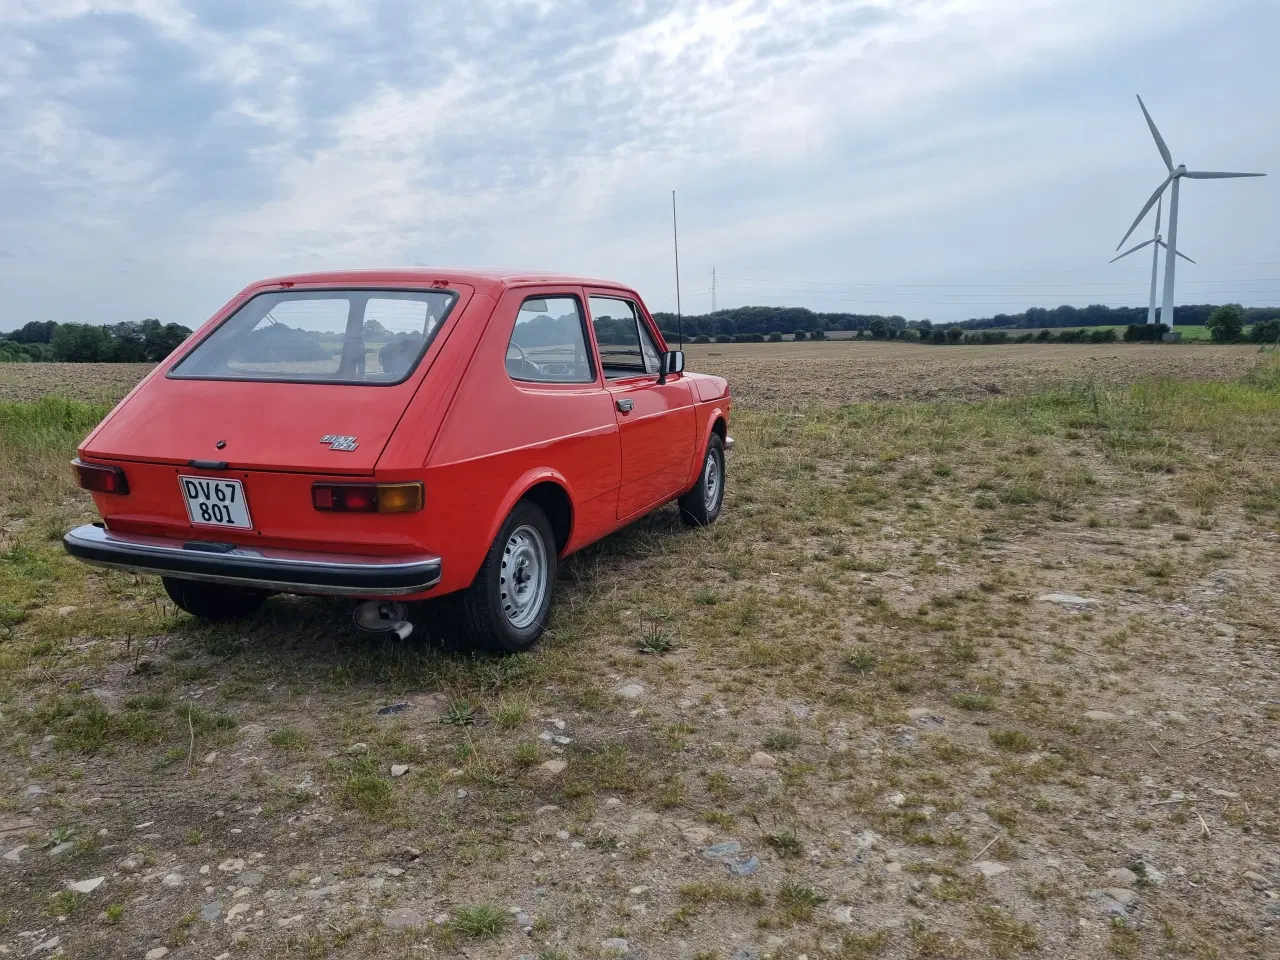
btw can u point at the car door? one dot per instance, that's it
(656, 421)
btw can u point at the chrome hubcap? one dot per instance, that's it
(523, 580)
(711, 480)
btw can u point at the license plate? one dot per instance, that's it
(215, 503)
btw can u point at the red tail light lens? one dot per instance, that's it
(99, 478)
(367, 497)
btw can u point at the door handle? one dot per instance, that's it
(625, 405)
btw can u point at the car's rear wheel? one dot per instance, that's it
(700, 506)
(507, 605)
(212, 601)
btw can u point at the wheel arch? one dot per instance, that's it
(716, 422)
(552, 493)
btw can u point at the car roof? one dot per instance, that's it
(416, 275)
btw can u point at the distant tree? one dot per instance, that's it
(702, 338)
(1145, 332)
(1265, 331)
(775, 337)
(987, 336)
(1226, 323)
(127, 343)
(1103, 335)
(937, 335)
(818, 334)
(954, 334)
(12, 352)
(799, 335)
(81, 343)
(879, 328)
(34, 332)
(375, 331)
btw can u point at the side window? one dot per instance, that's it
(548, 342)
(626, 349)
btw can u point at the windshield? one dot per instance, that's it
(322, 336)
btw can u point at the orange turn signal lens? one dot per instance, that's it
(367, 497)
(399, 497)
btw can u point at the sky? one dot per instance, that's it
(930, 158)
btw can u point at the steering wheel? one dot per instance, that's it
(524, 360)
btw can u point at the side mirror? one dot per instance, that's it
(672, 362)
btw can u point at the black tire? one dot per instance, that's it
(699, 506)
(493, 618)
(212, 601)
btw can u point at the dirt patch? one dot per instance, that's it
(88, 382)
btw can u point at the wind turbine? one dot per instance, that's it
(1176, 174)
(1155, 260)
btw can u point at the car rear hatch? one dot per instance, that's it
(279, 385)
(281, 427)
(268, 442)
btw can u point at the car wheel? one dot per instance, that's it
(212, 601)
(700, 506)
(507, 605)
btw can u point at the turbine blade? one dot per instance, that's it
(1143, 212)
(1159, 210)
(1164, 150)
(1178, 253)
(1211, 175)
(1144, 243)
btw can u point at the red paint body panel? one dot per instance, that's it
(477, 439)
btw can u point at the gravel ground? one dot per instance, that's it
(978, 680)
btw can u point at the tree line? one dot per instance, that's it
(766, 320)
(747, 321)
(1100, 315)
(149, 341)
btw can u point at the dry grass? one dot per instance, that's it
(872, 559)
(823, 372)
(836, 372)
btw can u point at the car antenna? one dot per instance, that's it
(675, 238)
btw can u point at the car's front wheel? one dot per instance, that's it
(700, 506)
(507, 605)
(212, 601)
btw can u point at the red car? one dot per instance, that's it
(399, 435)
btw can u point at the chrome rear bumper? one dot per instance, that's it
(281, 571)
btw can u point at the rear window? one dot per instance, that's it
(322, 336)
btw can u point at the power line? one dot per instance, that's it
(1073, 286)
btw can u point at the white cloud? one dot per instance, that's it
(332, 132)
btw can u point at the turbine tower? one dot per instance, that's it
(1158, 241)
(1176, 175)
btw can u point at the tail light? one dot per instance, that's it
(367, 497)
(99, 478)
